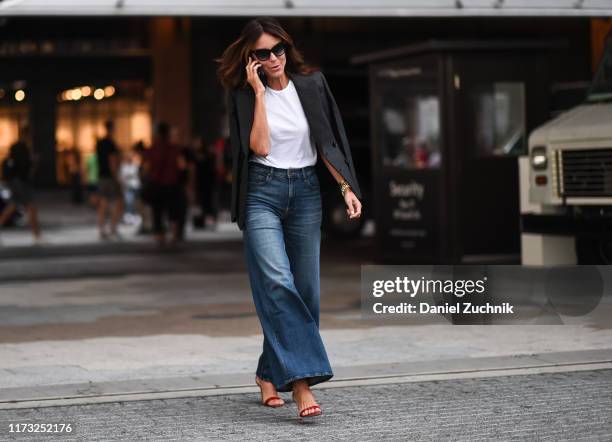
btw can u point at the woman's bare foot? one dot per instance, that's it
(268, 392)
(302, 395)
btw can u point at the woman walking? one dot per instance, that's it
(282, 118)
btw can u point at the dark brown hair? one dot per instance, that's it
(231, 71)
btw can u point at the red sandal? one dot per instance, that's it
(312, 407)
(271, 398)
(275, 405)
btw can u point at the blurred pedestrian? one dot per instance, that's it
(109, 187)
(18, 172)
(206, 183)
(129, 175)
(73, 165)
(91, 177)
(163, 172)
(142, 204)
(186, 189)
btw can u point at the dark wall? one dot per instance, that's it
(331, 42)
(327, 42)
(73, 28)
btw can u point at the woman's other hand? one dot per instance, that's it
(252, 77)
(353, 205)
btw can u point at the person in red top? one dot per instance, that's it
(164, 166)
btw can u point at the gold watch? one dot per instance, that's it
(344, 186)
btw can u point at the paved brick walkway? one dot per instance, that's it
(560, 406)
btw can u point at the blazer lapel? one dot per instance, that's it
(306, 88)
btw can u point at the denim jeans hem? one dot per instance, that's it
(263, 377)
(311, 378)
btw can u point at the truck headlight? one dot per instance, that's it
(539, 160)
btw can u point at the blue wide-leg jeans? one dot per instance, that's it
(282, 239)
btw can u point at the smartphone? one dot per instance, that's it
(262, 76)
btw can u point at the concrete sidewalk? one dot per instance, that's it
(67, 227)
(76, 237)
(81, 368)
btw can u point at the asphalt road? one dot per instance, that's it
(556, 406)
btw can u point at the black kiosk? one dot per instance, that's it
(448, 120)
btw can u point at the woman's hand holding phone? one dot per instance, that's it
(252, 76)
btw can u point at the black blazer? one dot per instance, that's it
(326, 129)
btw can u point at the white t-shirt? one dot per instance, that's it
(290, 143)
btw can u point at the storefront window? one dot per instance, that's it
(80, 124)
(409, 119)
(496, 119)
(12, 116)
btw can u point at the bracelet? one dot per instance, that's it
(344, 186)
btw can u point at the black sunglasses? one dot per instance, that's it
(264, 54)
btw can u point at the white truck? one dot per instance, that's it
(566, 182)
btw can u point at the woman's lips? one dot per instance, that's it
(275, 68)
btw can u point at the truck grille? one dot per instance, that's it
(585, 173)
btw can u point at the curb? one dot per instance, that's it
(216, 385)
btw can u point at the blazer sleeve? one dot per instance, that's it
(333, 115)
(233, 124)
(234, 131)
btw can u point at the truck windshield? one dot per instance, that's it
(601, 89)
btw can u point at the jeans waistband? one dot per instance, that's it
(290, 172)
